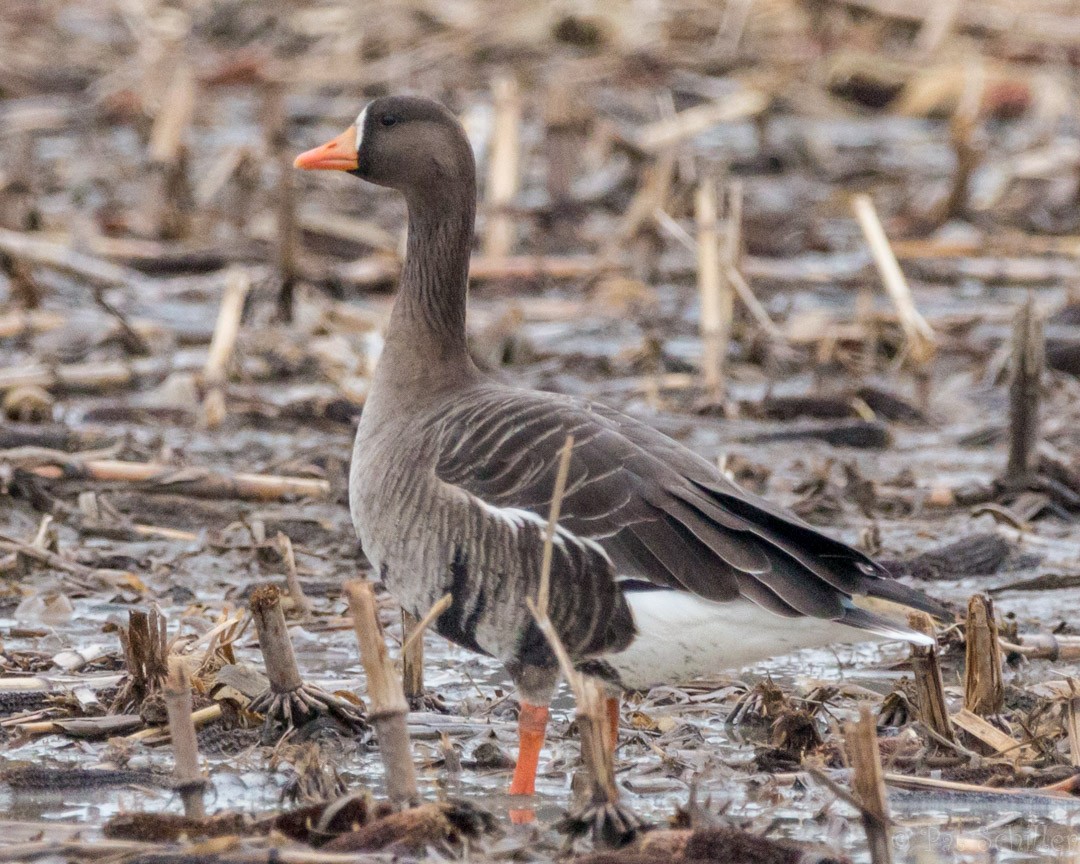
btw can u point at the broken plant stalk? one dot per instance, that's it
(992, 737)
(276, 127)
(1045, 646)
(734, 275)
(412, 648)
(1028, 351)
(651, 195)
(146, 651)
(167, 198)
(64, 259)
(1072, 726)
(984, 689)
(292, 579)
(387, 707)
(929, 690)
(670, 131)
(288, 700)
(223, 344)
(412, 659)
(714, 290)
(504, 167)
(198, 482)
(160, 734)
(189, 778)
(919, 334)
(868, 784)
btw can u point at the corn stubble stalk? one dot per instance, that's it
(714, 289)
(189, 778)
(731, 266)
(1045, 646)
(504, 167)
(167, 195)
(296, 590)
(197, 482)
(274, 641)
(1028, 358)
(412, 659)
(595, 752)
(288, 699)
(146, 651)
(387, 708)
(992, 737)
(651, 195)
(159, 734)
(984, 689)
(223, 344)
(412, 648)
(667, 133)
(868, 785)
(919, 334)
(929, 690)
(565, 120)
(276, 131)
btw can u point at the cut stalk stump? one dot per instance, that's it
(1034, 465)
(929, 690)
(276, 130)
(146, 651)
(189, 778)
(868, 785)
(609, 823)
(388, 708)
(412, 659)
(289, 702)
(1024, 396)
(984, 689)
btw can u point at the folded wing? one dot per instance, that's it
(663, 514)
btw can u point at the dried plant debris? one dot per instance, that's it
(762, 703)
(44, 778)
(974, 555)
(146, 653)
(449, 827)
(710, 845)
(172, 828)
(314, 775)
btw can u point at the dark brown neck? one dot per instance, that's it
(428, 321)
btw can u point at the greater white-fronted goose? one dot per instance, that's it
(663, 569)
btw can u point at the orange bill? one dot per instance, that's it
(336, 155)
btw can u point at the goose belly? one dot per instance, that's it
(681, 637)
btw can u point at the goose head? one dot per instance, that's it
(408, 143)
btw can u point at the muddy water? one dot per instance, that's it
(656, 770)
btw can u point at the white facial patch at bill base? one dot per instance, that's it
(360, 118)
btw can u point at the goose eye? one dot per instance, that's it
(388, 120)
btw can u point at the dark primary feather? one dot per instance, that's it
(663, 514)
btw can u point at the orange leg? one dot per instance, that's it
(612, 706)
(532, 724)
